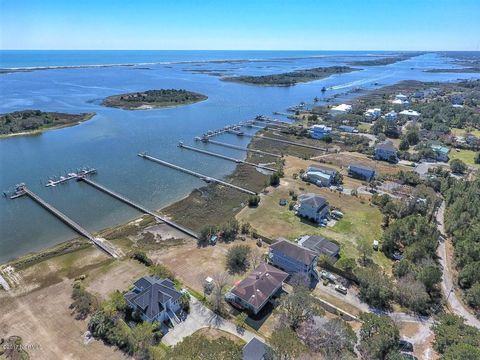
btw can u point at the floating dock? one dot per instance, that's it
(238, 161)
(70, 176)
(205, 178)
(138, 207)
(100, 243)
(278, 140)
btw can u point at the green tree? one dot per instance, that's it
(379, 335)
(200, 347)
(463, 352)
(275, 179)
(477, 158)
(376, 288)
(451, 330)
(413, 136)
(253, 200)
(458, 166)
(365, 249)
(237, 258)
(404, 145)
(284, 345)
(472, 296)
(297, 307)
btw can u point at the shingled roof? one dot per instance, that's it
(294, 251)
(260, 285)
(151, 293)
(313, 200)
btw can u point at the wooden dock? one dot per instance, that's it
(238, 161)
(205, 178)
(242, 148)
(139, 207)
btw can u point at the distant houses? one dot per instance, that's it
(155, 299)
(372, 114)
(320, 131)
(386, 151)
(320, 176)
(341, 109)
(313, 207)
(441, 152)
(293, 258)
(361, 172)
(256, 290)
(411, 114)
(400, 99)
(320, 245)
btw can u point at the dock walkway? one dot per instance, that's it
(196, 174)
(242, 148)
(139, 207)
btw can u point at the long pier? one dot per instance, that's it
(241, 148)
(79, 229)
(238, 161)
(278, 140)
(138, 207)
(196, 174)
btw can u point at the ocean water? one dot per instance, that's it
(111, 140)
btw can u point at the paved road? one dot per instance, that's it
(454, 302)
(202, 317)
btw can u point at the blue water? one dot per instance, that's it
(111, 140)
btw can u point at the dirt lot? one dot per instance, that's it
(192, 264)
(421, 337)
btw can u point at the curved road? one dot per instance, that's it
(454, 303)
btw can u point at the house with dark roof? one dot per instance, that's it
(255, 350)
(256, 290)
(386, 151)
(155, 299)
(320, 245)
(313, 207)
(361, 172)
(293, 258)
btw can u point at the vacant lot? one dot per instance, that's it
(462, 132)
(467, 156)
(361, 220)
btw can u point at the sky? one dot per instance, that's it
(240, 25)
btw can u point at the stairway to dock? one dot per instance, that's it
(139, 207)
(196, 174)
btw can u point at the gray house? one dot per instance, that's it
(320, 245)
(312, 207)
(255, 350)
(156, 299)
(386, 151)
(293, 258)
(319, 175)
(361, 172)
(254, 292)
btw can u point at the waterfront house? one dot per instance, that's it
(386, 151)
(293, 258)
(441, 152)
(320, 131)
(256, 290)
(391, 116)
(319, 175)
(320, 245)
(372, 114)
(255, 350)
(155, 299)
(341, 109)
(312, 207)
(361, 172)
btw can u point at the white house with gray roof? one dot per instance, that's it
(293, 258)
(313, 207)
(155, 299)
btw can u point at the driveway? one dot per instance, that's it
(454, 302)
(202, 317)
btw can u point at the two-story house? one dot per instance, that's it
(386, 151)
(362, 172)
(320, 176)
(155, 299)
(254, 292)
(320, 131)
(293, 258)
(313, 207)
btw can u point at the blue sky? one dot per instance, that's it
(246, 24)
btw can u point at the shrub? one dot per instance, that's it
(237, 258)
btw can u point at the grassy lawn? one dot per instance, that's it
(361, 220)
(467, 156)
(461, 132)
(364, 127)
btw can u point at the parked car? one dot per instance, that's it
(404, 345)
(375, 245)
(397, 256)
(341, 289)
(328, 276)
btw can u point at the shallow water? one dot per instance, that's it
(111, 140)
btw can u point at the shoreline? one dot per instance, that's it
(87, 117)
